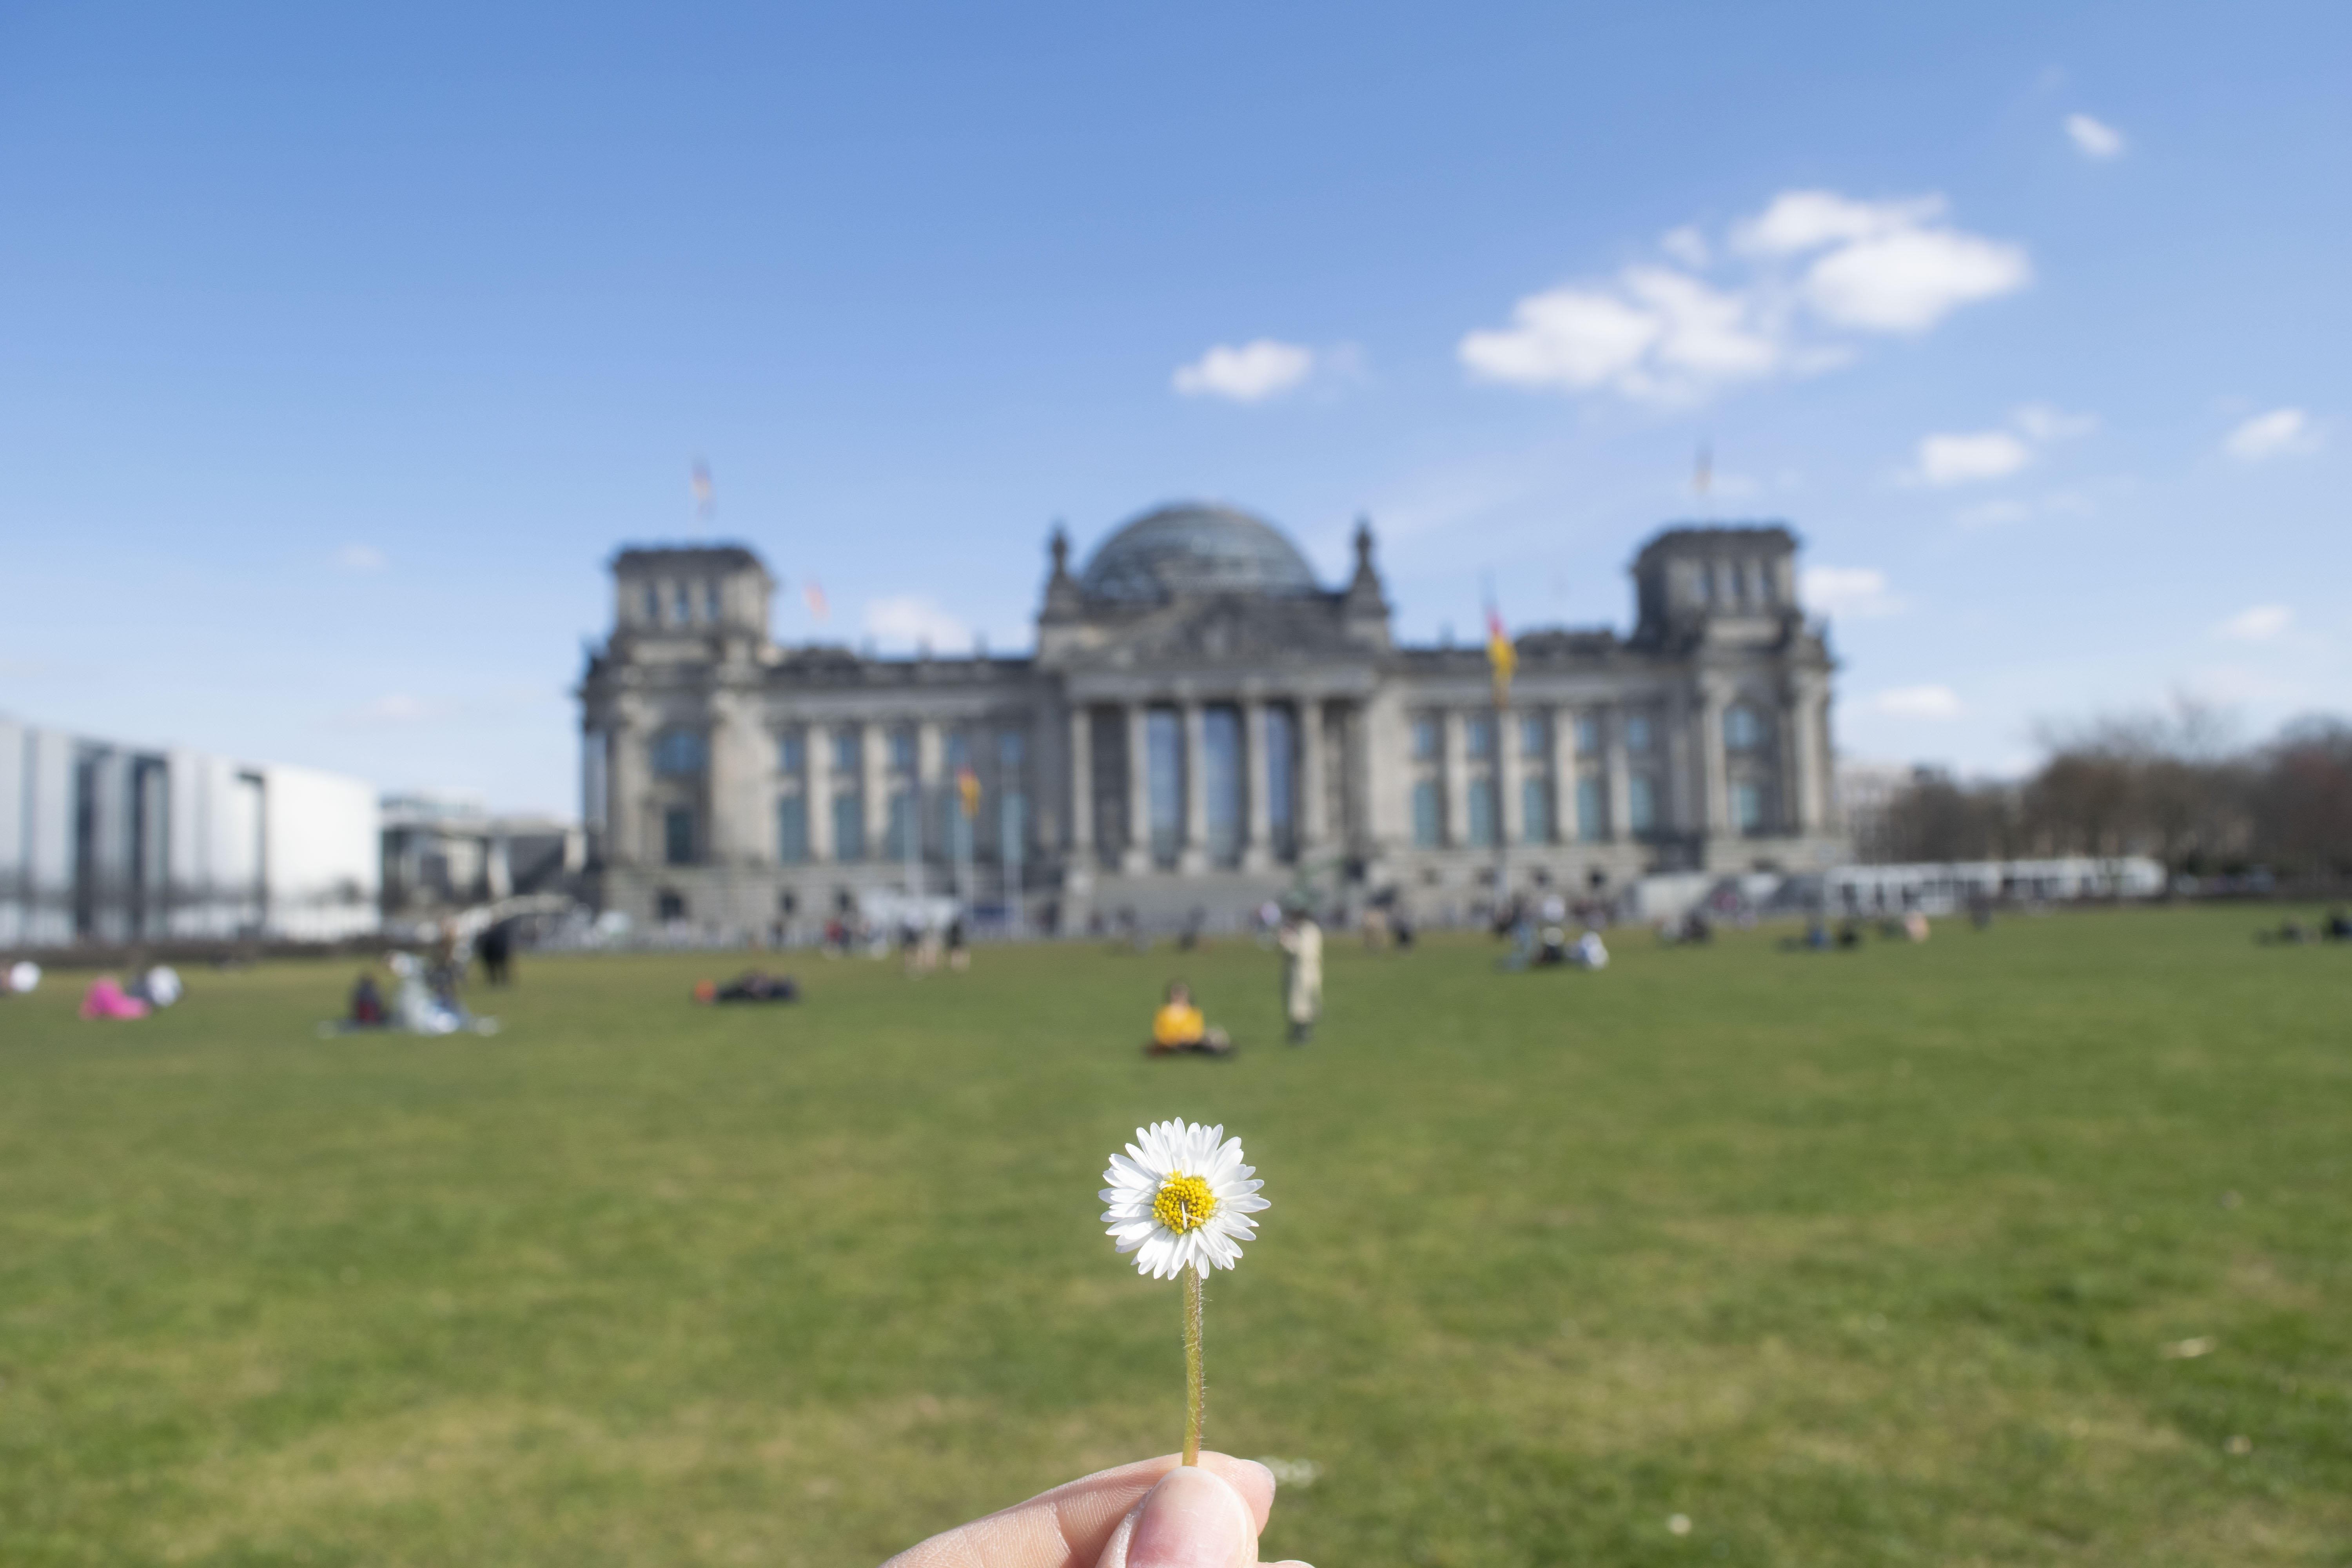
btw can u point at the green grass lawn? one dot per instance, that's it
(1855, 1258)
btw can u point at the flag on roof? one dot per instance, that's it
(1502, 658)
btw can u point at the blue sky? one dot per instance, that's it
(339, 349)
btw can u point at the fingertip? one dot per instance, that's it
(1247, 1477)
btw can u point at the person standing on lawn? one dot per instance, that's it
(1302, 971)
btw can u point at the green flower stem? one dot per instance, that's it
(1195, 1388)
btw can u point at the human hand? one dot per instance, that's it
(1156, 1513)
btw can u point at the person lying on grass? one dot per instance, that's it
(1158, 1513)
(1179, 1026)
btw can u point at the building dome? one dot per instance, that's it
(1196, 548)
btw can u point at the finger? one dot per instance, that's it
(1192, 1519)
(1069, 1526)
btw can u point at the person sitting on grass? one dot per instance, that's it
(1179, 1028)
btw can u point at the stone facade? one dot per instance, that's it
(1202, 724)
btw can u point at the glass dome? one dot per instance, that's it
(1196, 548)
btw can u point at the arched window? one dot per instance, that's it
(1743, 728)
(680, 753)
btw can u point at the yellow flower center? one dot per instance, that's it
(1185, 1203)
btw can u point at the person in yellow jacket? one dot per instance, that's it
(1179, 1026)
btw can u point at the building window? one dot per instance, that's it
(1743, 728)
(849, 826)
(681, 606)
(902, 750)
(791, 754)
(1280, 739)
(1163, 750)
(1535, 735)
(792, 829)
(902, 838)
(680, 753)
(1535, 811)
(1428, 820)
(1642, 805)
(1478, 736)
(678, 835)
(651, 604)
(1591, 824)
(1011, 799)
(1221, 781)
(1482, 814)
(1766, 589)
(1588, 734)
(849, 752)
(1426, 738)
(1748, 807)
(1640, 735)
(670, 906)
(710, 603)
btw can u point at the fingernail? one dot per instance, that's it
(1192, 1520)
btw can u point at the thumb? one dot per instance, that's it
(1191, 1519)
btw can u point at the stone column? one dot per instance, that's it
(624, 788)
(932, 837)
(1136, 858)
(816, 788)
(874, 778)
(1257, 844)
(1714, 777)
(739, 769)
(1510, 826)
(1311, 811)
(1802, 773)
(1453, 778)
(1082, 789)
(1194, 857)
(1619, 806)
(1565, 773)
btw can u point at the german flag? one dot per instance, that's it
(1502, 658)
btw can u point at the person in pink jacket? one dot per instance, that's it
(105, 999)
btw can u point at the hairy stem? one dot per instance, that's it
(1195, 1387)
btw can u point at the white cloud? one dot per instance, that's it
(1857, 591)
(1250, 374)
(1909, 280)
(1967, 459)
(915, 619)
(360, 558)
(1569, 338)
(1918, 702)
(393, 710)
(2009, 509)
(2042, 423)
(1687, 246)
(1801, 221)
(2263, 622)
(1657, 333)
(2092, 139)
(1975, 456)
(2280, 433)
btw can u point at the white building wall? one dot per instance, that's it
(322, 854)
(281, 852)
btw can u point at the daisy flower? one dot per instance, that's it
(1180, 1199)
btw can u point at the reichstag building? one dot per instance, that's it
(1203, 724)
